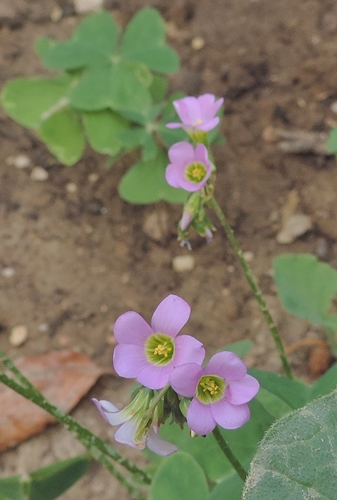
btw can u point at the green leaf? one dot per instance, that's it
(11, 488)
(158, 88)
(144, 41)
(115, 86)
(50, 482)
(132, 138)
(63, 134)
(297, 457)
(179, 477)
(29, 100)
(92, 44)
(332, 141)
(150, 148)
(306, 287)
(145, 183)
(229, 488)
(243, 442)
(103, 129)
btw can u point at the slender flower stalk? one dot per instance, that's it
(254, 286)
(229, 454)
(92, 443)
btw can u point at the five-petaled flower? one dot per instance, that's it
(138, 429)
(220, 392)
(189, 168)
(150, 353)
(197, 113)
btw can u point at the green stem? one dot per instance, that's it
(91, 442)
(156, 399)
(229, 454)
(254, 286)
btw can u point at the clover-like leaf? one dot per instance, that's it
(145, 183)
(64, 136)
(144, 41)
(297, 457)
(103, 129)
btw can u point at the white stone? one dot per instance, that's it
(294, 227)
(8, 272)
(39, 174)
(183, 263)
(71, 187)
(18, 335)
(82, 6)
(20, 161)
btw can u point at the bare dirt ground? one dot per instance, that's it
(82, 258)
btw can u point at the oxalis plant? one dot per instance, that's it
(108, 89)
(211, 429)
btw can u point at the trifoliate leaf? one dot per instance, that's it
(103, 129)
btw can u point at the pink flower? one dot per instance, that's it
(149, 353)
(189, 168)
(220, 392)
(197, 113)
(137, 430)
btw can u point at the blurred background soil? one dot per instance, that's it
(74, 256)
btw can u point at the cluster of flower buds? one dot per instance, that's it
(190, 167)
(173, 380)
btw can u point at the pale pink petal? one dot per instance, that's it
(184, 379)
(191, 186)
(242, 391)
(131, 328)
(230, 416)
(227, 365)
(174, 125)
(181, 153)
(188, 350)
(158, 445)
(171, 315)
(110, 412)
(201, 154)
(186, 220)
(188, 109)
(126, 433)
(209, 125)
(199, 418)
(173, 174)
(206, 103)
(129, 360)
(154, 376)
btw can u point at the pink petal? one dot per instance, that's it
(188, 350)
(186, 220)
(125, 435)
(171, 315)
(200, 418)
(230, 416)
(242, 391)
(158, 445)
(209, 125)
(184, 379)
(191, 186)
(227, 365)
(173, 174)
(174, 125)
(110, 412)
(201, 154)
(155, 377)
(188, 109)
(129, 360)
(181, 153)
(206, 103)
(131, 328)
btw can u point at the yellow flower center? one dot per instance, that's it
(210, 389)
(195, 172)
(159, 349)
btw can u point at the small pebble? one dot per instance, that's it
(39, 174)
(18, 335)
(197, 43)
(294, 227)
(56, 14)
(93, 177)
(20, 161)
(183, 263)
(249, 256)
(8, 272)
(322, 248)
(43, 327)
(82, 6)
(71, 187)
(156, 225)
